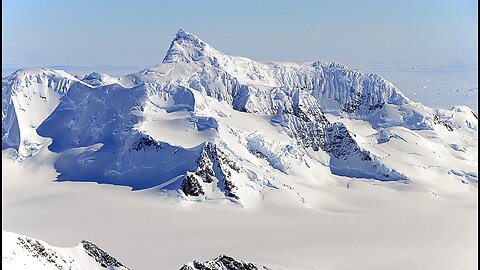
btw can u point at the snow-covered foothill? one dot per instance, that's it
(25, 253)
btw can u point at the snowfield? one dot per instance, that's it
(283, 165)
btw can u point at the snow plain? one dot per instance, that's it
(367, 226)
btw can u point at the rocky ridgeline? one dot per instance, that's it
(102, 257)
(44, 254)
(22, 252)
(213, 164)
(222, 262)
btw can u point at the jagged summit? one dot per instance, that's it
(222, 262)
(187, 36)
(187, 47)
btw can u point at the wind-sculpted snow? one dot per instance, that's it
(93, 130)
(203, 123)
(213, 126)
(28, 97)
(87, 116)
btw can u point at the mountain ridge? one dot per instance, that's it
(107, 130)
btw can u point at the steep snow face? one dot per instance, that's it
(93, 129)
(28, 97)
(25, 253)
(98, 135)
(213, 126)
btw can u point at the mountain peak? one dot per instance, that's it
(184, 35)
(186, 47)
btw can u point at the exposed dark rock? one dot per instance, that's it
(37, 250)
(191, 186)
(206, 162)
(102, 257)
(212, 164)
(340, 144)
(222, 262)
(440, 121)
(146, 141)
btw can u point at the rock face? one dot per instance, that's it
(191, 186)
(190, 123)
(347, 156)
(222, 262)
(213, 166)
(100, 256)
(22, 252)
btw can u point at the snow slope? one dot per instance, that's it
(22, 252)
(28, 97)
(350, 222)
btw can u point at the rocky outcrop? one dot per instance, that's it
(145, 142)
(191, 186)
(222, 262)
(40, 251)
(100, 256)
(340, 144)
(23, 252)
(213, 165)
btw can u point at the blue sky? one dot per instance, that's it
(120, 33)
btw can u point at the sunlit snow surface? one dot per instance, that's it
(290, 165)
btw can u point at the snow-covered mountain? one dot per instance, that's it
(29, 96)
(222, 262)
(212, 126)
(21, 252)
(26, 253)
